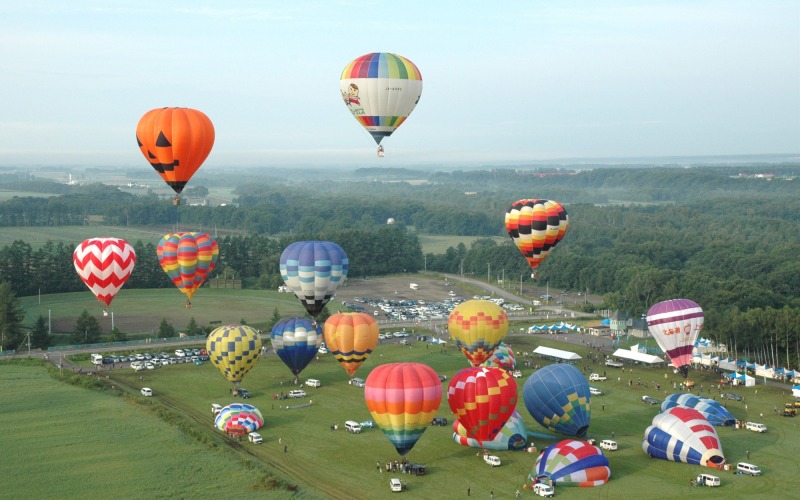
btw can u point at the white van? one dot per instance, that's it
(707, 480)
(353, 427)
(146, 391)
(746, 468)
(255, 438)
(608, 444)
(395, 484)
(492, 460)
(543, 490)
(312, 382)
(756, 427)
(215, 408)
(97, 359)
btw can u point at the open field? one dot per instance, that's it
(104, 430)
(437, 244)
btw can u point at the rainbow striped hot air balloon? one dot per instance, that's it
(351, 337)
(381, 90)
(477, 326)
(403, 398)
(188, 258)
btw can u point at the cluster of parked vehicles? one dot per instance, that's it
(151, 361)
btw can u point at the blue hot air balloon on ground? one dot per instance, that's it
(712, 410)
(313, 270)
(557, 396)
(296, 341)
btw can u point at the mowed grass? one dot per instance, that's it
(438, 244)
(326, 464)
(69, 442)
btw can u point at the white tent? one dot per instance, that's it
(637, 356)
(796, 391)
(556, 353)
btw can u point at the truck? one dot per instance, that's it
(596, 377)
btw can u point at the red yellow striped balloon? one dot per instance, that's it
(351, 337)
(478, 326)
(536, 226)
(403, 398)
(104, 264)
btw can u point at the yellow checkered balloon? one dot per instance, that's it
(234, 350)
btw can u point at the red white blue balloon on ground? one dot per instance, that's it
(571, 463)
(712, 410)
(683, 435)
(239, 418)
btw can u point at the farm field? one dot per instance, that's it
(322, 463)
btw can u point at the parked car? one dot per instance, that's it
(613, 364)
(442, 378)
(439, 421)
(146, 391)
(370, 424)
(649, 400)
(395, 484)
(608, 444)
(543, 490)
(596, 377)
(358, 382)
(516, 374)
(297, 393)
(492, 460)
(733, 396)
(243, 393)
(255, 438)
(755, 427)
(594, 391)
(352, 427)
(179, 353)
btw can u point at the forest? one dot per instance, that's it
(728, 237)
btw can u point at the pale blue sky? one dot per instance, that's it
(503, 81)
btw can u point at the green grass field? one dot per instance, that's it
(83, 442)
(437, 244)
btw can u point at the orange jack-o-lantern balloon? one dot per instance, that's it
(175, 141)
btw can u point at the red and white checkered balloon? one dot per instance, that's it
(104, 264)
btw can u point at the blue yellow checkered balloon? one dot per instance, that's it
(234, 350)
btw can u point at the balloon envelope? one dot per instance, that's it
(557, 396)
(536, 226)
(188, 259)
(572, 463)
(403, 398)
(502, 357)
(175, 141)
(712, 410)
(296, 341)
(104, 264)
(482, 399)
(239, 415)
(313, 270)
(683, 435)
(675, 325)
(234, 350)
(351, 337)
(513, 435)
(477, 326)
(381, 90)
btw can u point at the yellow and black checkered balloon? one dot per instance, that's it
(234, 349)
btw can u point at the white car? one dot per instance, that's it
(608, 444)
(323, 350)
(543, 490)
(297, 393)
(180, 353)
(492, 460)
(395, 484)
(146, 391)
(594, 391)
(596, 377)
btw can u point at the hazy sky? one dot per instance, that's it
(503, 80)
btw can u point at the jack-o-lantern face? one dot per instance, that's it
(175, 141)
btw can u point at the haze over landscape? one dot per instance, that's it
(509, 82)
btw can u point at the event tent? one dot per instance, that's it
(557, 354)
(637, 356)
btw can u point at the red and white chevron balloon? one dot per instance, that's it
(104, 264)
